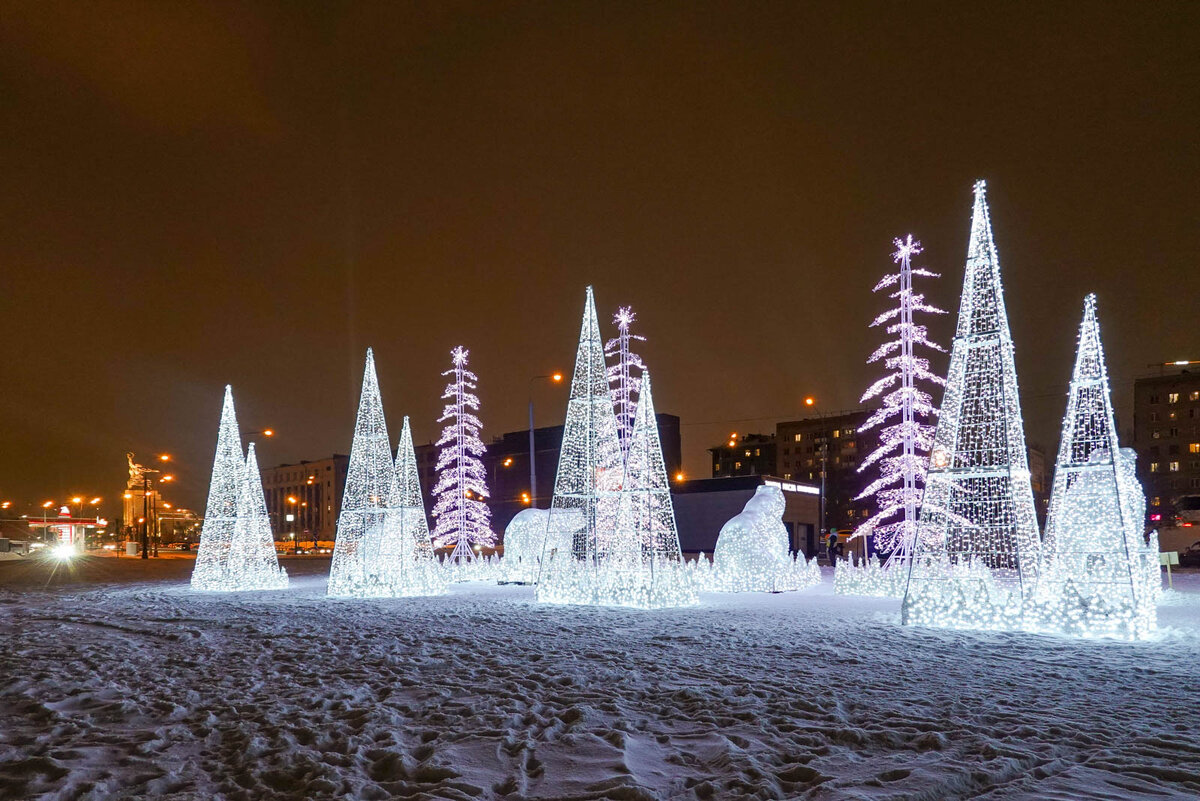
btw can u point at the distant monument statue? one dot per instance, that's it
(137, 473)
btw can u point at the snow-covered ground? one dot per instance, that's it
(127, 689)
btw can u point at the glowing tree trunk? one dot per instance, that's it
(461, 516)
(211, 571)
(977, 545)
(1094, 578)
(902, 455)
(411, 503)
(253, 564)
(366, 550)
(587, 486)
(625, 375)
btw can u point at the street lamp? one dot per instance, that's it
(556, 377)
(291, 518)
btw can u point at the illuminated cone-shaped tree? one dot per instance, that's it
(253, 564)
(1094, 550)
(411, 503)
(366, 551)
(461, 516)
(647, 562)
(625, 374)
(587, 486)
(211, 571)
(903, 453)
(977, 514)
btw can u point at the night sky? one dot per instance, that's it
(252, 193)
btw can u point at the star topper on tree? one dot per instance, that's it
(626, 385)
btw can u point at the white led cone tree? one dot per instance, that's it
(645, 565)
(411, 503)
(253, 563)
(371, 557)
(1098, 575)
(461, 516)
(977, 549)
(624, 375)
(587, 486)
(905, 412)
(211, 571)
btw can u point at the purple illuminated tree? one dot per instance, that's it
(461, 517)
(624, 377)
(905, 414)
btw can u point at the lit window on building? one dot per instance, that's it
(1154, 467)
(737, 465)
(1194, 395)
(799, 437)
(1156, 434)
(1172, 397)
(1173, 467)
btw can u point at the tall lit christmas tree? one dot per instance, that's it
(211, 571)
(646, 528)
(1095, 577)
(625, 374)
(978, 533)
(587, 486)
(904, 441)
(411, 503)
(460, 513)
(253, 564)
(370, 556)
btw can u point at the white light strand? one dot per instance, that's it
(1099, 577)
(253, 563)
(628, 565)
(237, 549)
(977, 518)
(461, 516)
(220, 513)
(625, 374)
(372, 555)
(410, 504)
(902, 455)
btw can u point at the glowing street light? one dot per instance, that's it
(557, 378)
(810, 401)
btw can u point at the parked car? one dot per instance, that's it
(1190, 556)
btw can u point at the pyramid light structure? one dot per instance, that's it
(211, 571)
(253, 564)
(1098, 575)
(646, 531)
(588, 483)
(411, 503)
(370, 556)
(977, 550)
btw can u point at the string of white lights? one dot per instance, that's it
(753, 554)
(461, 515)
(977, 517)
(373, 556)
(625, 374)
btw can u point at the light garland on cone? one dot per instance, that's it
(977, 516)
(373, 556)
